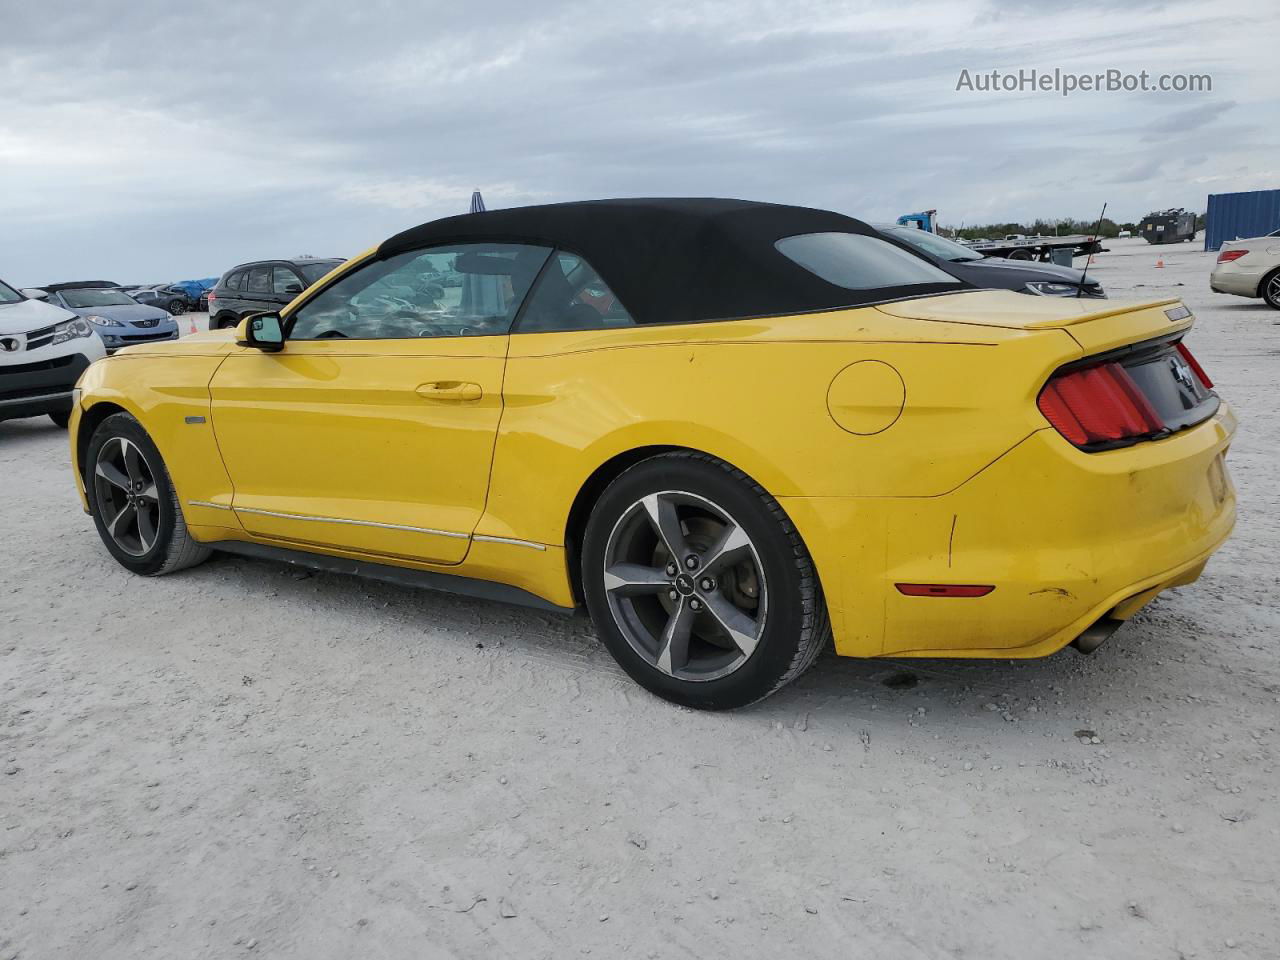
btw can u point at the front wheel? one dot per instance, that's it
(133, 502)
(699, 584)
(1271, 289)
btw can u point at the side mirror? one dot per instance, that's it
(262, 331)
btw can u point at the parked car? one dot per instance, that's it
(998, 273)
(120, 320)
(262, 285)
(43, 351)
(732, 430)
(1249, 268)
(197, 292)
(168, 297)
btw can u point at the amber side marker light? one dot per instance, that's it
(943, 589)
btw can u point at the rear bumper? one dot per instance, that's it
(1232, 279)
(1065, 538)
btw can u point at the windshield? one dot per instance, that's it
(932, 243)
(8, 294)
(97, 298)
(314, 271)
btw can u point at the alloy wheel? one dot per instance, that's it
(685, 585)
(128, 500)
(1272, 294)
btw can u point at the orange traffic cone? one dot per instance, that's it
(1159, 264)
(193, 323)
(1090, 263)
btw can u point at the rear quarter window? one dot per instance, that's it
(858, 262)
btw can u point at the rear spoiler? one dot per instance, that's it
(1091, 315)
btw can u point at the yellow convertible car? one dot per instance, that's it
(733, 431)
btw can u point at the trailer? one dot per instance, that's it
(1019, 247)
(1015, 246)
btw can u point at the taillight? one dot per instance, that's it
(1226, 256)
(1098, 404)
(1194, 364)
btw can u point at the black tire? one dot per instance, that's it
(794, 627)
(61, 418)
(172, 547)
(1019, 255)
(1269, 289)
(227, 322)
(177, 307)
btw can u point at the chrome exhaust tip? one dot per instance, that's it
(1095, 635)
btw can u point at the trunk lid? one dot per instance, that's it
(1019, 311)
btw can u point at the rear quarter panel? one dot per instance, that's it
(755, 393)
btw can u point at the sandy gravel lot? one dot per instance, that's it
(247, 760)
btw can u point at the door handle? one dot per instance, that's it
(451, 391)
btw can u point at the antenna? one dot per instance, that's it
(1085, 272)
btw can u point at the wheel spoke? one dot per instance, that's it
(149, 493)
(133, 462)
(146, 528)
(661, 510)
(112, 474)
(633, 579)
(121, 521)
(728, 549)
(673, 649)
(742, 630)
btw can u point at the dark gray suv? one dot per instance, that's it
(265, 285)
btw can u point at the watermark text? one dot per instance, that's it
(1066, 83)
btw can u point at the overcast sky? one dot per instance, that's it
(151, 141)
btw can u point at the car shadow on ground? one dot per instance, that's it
(838, 690)
(14, 434)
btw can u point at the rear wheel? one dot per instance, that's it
(1019, 255)
(699, 585)
(226, 322)
(1270, 289)
(133, 503)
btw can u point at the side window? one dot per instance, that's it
(234, 280)
(460, 290)
(259, 280)
(571, 296)
(285, 282)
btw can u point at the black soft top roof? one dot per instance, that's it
(678, 260)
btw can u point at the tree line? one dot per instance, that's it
(1046, 227)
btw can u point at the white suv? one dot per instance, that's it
(43, 351)
(1249, 268)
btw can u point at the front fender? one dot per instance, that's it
(169, 396)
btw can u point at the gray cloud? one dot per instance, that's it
(161, 140)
